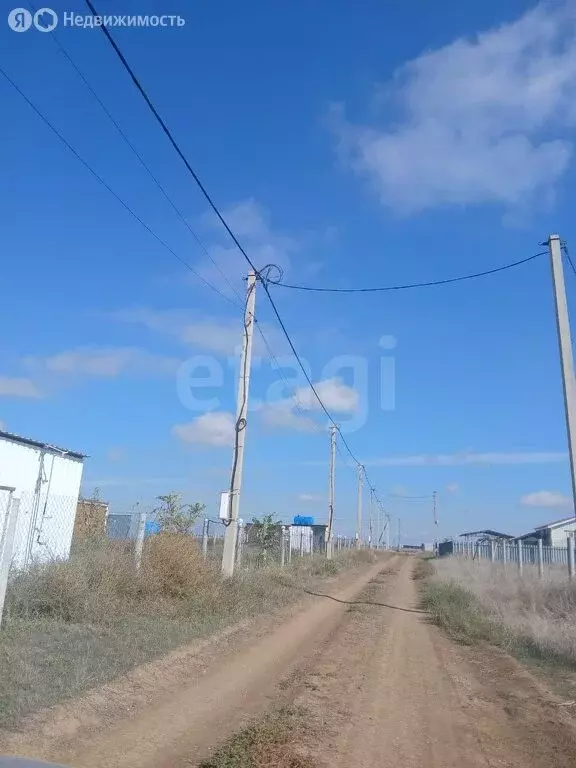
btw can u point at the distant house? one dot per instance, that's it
(554, 534)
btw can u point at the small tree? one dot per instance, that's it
(267, 534)
(175, 517)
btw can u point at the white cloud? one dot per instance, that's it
(290, 412)
(14, 386)
(311, 497)
(452, 487)
(281, 415)
(335, 395)
(482, 120)
(215, 428)
(105, 362)
(250, 222)
(222, 336)
(468, 458)
(545, 499)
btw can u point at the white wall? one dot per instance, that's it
(558, 535)
(301, 538)
(47, 484)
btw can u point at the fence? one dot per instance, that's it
(520, 554)
(277, 545)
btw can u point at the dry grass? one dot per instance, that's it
(526, 615)
(72, 625)
(268, 743)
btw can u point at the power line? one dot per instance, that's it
(142, 162)
(408, 286)
(567, 254)
(101, 181)
(171, 138)
(216, 210)
(297, 404)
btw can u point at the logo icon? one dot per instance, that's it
(45, 20)
(20, 19)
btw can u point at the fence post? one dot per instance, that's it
(540, 559)
(492, 550)
(520, 563)
(7, 547)
(140, 533)
(504, 552)
(205, 531)
(570, 557)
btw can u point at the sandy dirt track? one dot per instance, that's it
(383, 688)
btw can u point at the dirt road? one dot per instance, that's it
(382, 687)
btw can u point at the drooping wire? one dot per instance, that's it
(143, 163)
(169, 135)
(564, 247)
(408, 286)
(105, 184)
(213, 206)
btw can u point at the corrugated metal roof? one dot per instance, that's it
(38, 444)
(570, 519)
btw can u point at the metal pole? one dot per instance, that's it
(520, 563)
(140, 534)
(435, 513)
(570, 546)
(231, 534)
(565, 344)
(205, 530)
(399, 535)
(504, 552)
(7, 547)
(329, 553)
(492, 550)
(540, 559)
(359, 508)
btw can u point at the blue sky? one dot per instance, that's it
(367, 144)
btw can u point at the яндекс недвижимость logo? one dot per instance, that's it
(44, 20)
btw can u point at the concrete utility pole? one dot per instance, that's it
(370, 520)
(231, 534)
(435, 509)
(399, 534)
(329, 552)
(359, 508)
(565, 343)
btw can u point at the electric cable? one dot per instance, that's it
(101, 181)
(142, 162)
(408, 286)
(171, 138)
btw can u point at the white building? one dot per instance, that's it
(44, 481)
(555, 534)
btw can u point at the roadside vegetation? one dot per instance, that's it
(272, 742)
(533, 619)
(69, 626)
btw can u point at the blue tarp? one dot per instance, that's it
(151, 528)
(302, 520)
